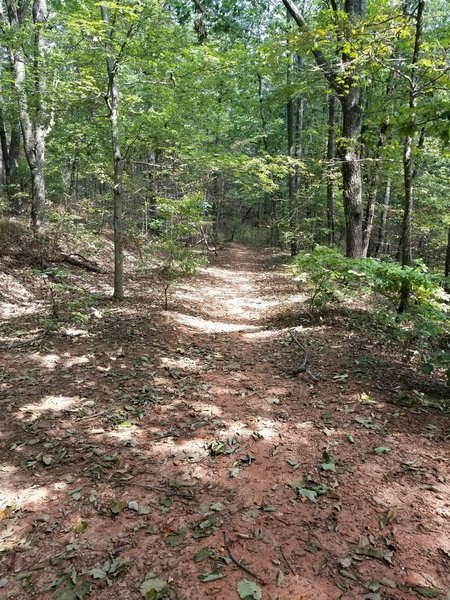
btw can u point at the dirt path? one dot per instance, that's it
(147, 436)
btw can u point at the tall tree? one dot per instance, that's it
(329, 173)
(345, 82)
(112, 99)
(33, 114)
(408, 148)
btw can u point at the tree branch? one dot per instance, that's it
(321, 60)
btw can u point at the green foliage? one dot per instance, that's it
(176, 226)
(332, 277)
(69, 303)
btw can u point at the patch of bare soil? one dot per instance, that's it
(179, 446)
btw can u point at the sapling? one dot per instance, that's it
(176, 225)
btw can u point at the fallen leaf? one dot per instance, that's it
(203, 554)
(81, 526)
(248, 590)
(426, 592)
(382, 450)
(210, 576)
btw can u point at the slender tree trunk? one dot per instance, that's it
(294, 112)
(375, 176)
(17, 203)
(408, 168)
(292, 178)
(447, 264)
(4, 148)
(152, 173)
(330, 157)
(33, 130)
(406, 252)
(370, 210)
(262, 115)
(384, 213)
(113, 100)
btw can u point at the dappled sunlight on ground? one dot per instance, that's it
(49, 403)
(160, 432)
(204, 326)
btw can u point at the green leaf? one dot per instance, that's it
(305, 493)
(153, 589)
(210, 576)
(426, 592)
(382, 450)
(370, 552)
(176, 539)
(248, 590)
(81, 526)
(203, 554)
(97, 573)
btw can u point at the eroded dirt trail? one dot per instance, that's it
(154, 435)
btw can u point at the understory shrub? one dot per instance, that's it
(333, 278)
(173, 248)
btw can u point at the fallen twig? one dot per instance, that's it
(304, 367)
(288, 564)
(238, 563)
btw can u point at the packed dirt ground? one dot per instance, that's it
(179, 446)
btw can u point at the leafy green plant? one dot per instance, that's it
(177, 223)
(332, 277)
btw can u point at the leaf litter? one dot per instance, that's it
(124, 472)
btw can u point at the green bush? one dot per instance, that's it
(176, 226)
(331, 277)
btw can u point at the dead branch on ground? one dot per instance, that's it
(304, 367)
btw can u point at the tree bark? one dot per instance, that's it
(350, 96)
(447, 264)
(291, 119)
(33, 130)
(330, 157)
(408, 167)
(113, 100)
(348, 149)
(17, 202)
(262, 115)
(375, 176)
(383, 221)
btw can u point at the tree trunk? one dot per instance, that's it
(447, 264)
(294, 110)
(37, 188)
(406, 253)
(345, 82)
(4, 148)
(370, 210)
(291, 142)
(330, 157)
(113, 100)
(262, 115)
(374, 182)
(384, 214)
(33, 130)
(348, 148)
(17, 202)
(408, 168)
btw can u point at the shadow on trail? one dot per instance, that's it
(159, 431)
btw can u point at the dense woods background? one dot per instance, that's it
(224, 299)
(292, 125)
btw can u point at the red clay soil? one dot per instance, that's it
(134, 441)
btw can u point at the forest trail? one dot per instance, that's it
(149, 435)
